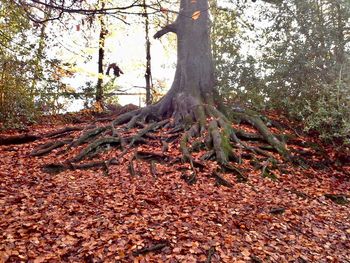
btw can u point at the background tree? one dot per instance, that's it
(16, 65)
(148, 73)
(306, 62)
(301, 52)
(29, 76)
(234, 34)
(101, 54)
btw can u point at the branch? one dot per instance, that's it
(165, 30)
(85, 10)
(275, 2)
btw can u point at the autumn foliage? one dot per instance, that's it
(151, 213)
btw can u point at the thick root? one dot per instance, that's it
(221, 181)
(48, 147)
(264, 131)
(18, 139)
(93, 146)
(64, 131)
(149, 128)
(89, 135)
(55, 168)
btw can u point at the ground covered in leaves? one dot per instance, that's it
(150, 212)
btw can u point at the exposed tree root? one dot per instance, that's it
(239, 175)
(220, 180)
(132, 169)
(56, 168)
(277, 210)
(211, 253)
(64, 131)
(18, 139)
(94, 146)
(142, 155)
(153, 169)
(88, 135)
(189, 179)
(27, 138)
(246, 136)
(264, 131)
(153, 248)
(338, 198)
(195, 126)
(48, 147)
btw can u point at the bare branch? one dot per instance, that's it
(165, 30)
(84, 10)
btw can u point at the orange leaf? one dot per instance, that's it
(196, 15)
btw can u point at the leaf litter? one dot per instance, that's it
(154, 215)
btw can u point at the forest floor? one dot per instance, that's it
(154, 215)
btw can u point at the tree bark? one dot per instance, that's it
(193, 84)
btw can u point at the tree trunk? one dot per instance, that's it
(38, 67)
(101, 53)
(148, 74)
(340, 25)
(193, 84)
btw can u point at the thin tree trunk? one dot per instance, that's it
(38, 70)
(340, 49)
(148, 74)
(2, 86)
(101, 53)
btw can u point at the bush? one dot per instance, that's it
(330, 117)
(16, 104)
